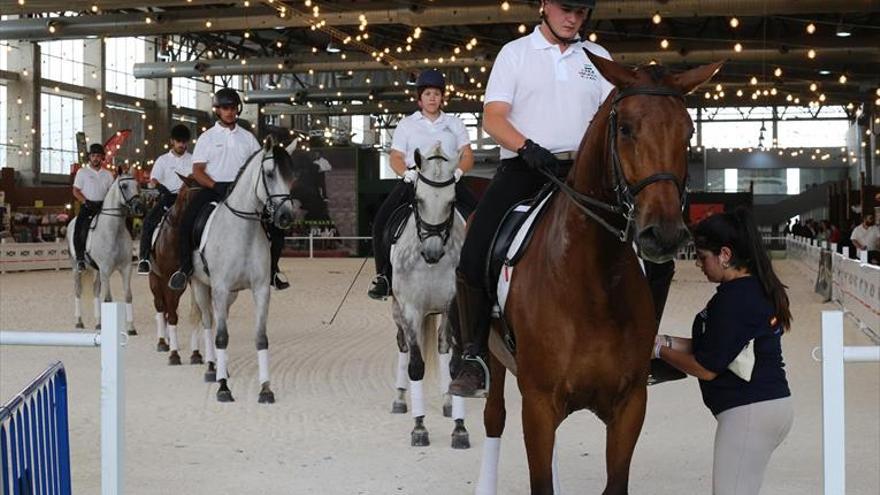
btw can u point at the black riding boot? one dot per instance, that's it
(659, 279)
(474, 308)
(279, 281)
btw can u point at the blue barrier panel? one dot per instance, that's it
(34, 443)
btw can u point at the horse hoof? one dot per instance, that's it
(196, 358)
(174, 359)
(447, 410)
(398, 407)
(460, 438)
(266, 397)
(132, 332)
(210, 376)
(162, 346)
(79, 325)
(225, 396)
(98, 326)
(420, 437)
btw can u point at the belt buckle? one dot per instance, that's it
(565, 155)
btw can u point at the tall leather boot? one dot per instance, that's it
(474, 308)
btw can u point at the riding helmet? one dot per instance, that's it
(180, 132)
(227, 97)
(431, 78)
(96, 149)
(589, 4)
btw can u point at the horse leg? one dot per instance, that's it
(77, 299)
(159, 305)
(399, 404)
(220, 300)
(202, 301)
(129, 309)
(98, 287)
(261, 295)
(540, 420)
(196, 356)
(453, 406)
(494, 417)
(173, 340)
(411, 322)
(622, 433)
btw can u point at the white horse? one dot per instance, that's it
(108, 246)
(234, 253)
(423, 262)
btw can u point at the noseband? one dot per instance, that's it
(427, 230)
(120, 211)
(625, 192)
(269, 207)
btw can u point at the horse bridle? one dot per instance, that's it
(269, 207)
(625, 192)
(427, 230)
(119, 211)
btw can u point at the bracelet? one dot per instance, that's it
(668, 341)
(657, 348)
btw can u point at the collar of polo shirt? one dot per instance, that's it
(421, 116)
(539, 42)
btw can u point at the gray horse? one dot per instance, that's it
(109, 247)
(234, 254)
(423, 262)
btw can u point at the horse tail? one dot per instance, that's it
(195, 313)
(430, 349)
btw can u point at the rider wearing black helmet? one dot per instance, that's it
(420, 130)
(164, 177)
(219, 154)
(90, 185)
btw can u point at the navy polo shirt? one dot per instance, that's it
(738, 312)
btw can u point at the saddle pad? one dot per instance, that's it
(506, 273)
(203, 224)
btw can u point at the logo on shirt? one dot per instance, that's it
(588, 72)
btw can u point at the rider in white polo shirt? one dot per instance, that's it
(219, 154)
(164, 176)
(90, 185)
(421, 130)
(541, 96)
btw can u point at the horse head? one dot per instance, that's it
(648, 130)
(129, 195)
(434, 201)
(278, 176)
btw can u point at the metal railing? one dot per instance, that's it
(111, 341)
(310, 241)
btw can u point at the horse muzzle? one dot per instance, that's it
(137, 207)
(432, 250)
(660, 242)
(283, 217)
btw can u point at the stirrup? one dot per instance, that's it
(479, 360)
(177, 275)
(81, 265)
(142, 264)
(279, 281)
(374, 294)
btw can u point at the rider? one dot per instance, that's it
(219, 154)
(541, 96)
(90, 186)
(164, 177)
(421, 130)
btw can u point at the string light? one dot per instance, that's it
(777, 72)
(505, 5)
(656, 18)
(811, 28)
(664, 44)
(738, 47)
(734, 22)
(811, 54)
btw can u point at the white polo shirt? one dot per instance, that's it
(553, 95)
(94, 184)
(418, 132)
(224, 151)
(868, 237)
(167, 167)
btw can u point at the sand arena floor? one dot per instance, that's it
(331, 432)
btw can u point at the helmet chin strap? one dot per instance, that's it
(566, 41)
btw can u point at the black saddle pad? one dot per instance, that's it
(201, 222)
(507, 230)
(396, 223)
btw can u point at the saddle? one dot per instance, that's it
(202, 224)
(393, 230)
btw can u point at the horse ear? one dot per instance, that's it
(292, 146)
(418, 158)
(188, 180)
(615, 73)
(688, 81)
(268, 143)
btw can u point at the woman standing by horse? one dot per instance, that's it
(421, 130)
(736, 351)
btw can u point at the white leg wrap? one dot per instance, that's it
(208, 337)
(172, 334)
(221, 365)
(417, 397)
(555, 469)
(488, 482)
(263, 360)
(457, 407)
(77, 308)
(402, 370)
(161, 329)
(445, 379)
(129, 313)
(194, 340)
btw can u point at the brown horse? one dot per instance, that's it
(164, 262)
(579, 306)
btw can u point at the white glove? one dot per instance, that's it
(410, 176)
(457, 174)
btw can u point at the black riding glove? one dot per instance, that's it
(537, 157)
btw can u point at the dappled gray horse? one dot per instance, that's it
(423, 261)
(108, 248)
(234, 254)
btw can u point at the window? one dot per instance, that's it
(4, 54)
(734, 135)
(120, 55)
(184, 92)
(3, 117)
(812, 133)
(61, 119)
(793, 180)
(730, 180)
(62, 61)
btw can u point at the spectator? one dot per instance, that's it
(866, 237)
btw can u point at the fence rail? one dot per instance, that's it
(32, 455)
